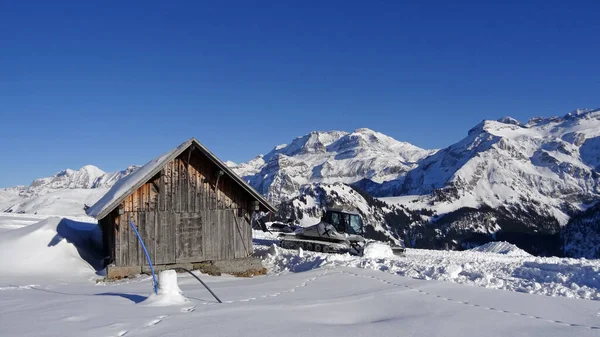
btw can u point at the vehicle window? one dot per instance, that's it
(346, 223)
(335, 221)
(355, 225)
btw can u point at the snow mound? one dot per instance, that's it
(377, 250)
(52, 247)
(168, 291)
(501, 247)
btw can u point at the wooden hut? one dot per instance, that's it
(187, 206)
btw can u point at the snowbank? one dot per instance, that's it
(168, 291)
(52, 247)
(574, 278)
(501, 247)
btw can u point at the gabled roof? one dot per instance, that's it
(128, 184)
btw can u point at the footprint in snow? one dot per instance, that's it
(156, 321)
(122, 333)
(74, 319)
(188, 309)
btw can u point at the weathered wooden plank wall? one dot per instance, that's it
(184, 216)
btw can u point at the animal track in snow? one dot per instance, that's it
(156, 321)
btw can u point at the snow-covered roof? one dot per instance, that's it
(126, 185)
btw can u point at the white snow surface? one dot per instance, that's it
(310, 294)
(501, 247)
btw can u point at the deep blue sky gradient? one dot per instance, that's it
(117, 83)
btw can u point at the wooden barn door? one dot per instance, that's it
(188, 237)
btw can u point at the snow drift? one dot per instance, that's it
(55, 247)
(501, 247)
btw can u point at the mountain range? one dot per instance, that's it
(527, 183)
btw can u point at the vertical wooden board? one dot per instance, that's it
(198, 192)
(217, 194)
(117, 231)
(135, 201)
(124, 240)
(168, 188)
(133, 241)
(184, 186)
(140, 199)
(202, 189)
(161, 239)
(141, 257)
(247, 235)
(192, 187)
(148, 197)
(152, 197)
(217, 235)
(179, 228)
(144, 228)
(181, 236)
(166, 228)
(144, 198)
(186, 191)
(150, 238)
(173, 186)
(157, 236)
(175, 218)
(205, 234)
(161, 191)
(225, 237)
(222, 239)
(181, 187)
(209, 228)
(124, 236)
(232, 233)
(196, 242)
(177, 184)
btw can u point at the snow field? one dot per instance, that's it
(327, 302)
(305, 293)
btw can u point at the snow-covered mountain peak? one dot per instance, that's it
(509, 120)
(314, 142)
(330, 156)
(581, 113)
(85, 177)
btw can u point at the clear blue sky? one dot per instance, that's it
(117, 83)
